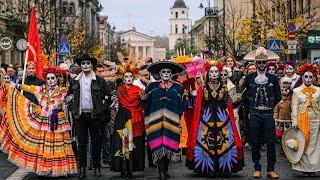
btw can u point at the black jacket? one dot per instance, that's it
(32, 80)
(100, 99)
(272, 89)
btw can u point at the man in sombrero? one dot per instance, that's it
(262, 94)
(163, 109)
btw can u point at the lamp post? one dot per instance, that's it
(212, 12)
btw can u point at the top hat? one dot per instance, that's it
(87, 57)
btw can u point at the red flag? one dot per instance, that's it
(34, 44)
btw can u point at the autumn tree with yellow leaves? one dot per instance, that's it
(274, 16)
(82, 43)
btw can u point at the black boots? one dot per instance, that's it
(97, 172)
(82, 173)
(163, 168)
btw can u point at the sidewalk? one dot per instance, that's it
(6, 168)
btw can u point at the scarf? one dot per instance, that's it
(129, 97)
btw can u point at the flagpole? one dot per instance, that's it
(25, 61)
(25, 66)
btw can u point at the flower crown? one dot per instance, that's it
(127, 68)
(211, 63)
(54, 70)
(308, 68)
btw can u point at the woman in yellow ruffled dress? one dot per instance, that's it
(36, 138)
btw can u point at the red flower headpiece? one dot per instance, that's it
(272, 63)
(308, 68)
(209, 64)
(55, 70)
(128, 68)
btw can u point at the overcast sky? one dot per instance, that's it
(148, 16)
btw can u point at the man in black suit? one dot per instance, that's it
(261, 96)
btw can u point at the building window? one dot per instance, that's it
(64, 7)
(177, 15)
(176, 29)
(170, 29)
(72, 9)
(182, 12)
(183, 29)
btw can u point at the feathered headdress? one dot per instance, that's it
(308, 68)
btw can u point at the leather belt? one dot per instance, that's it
(86, 110)
(262, 108)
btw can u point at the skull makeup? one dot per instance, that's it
(289, 69)
(51, 79)
(86, 66)
(214, 73)
(165, 74)
(272, 70)
(308, 78)
(224, 76)
(6, 78)
(128, 78)
(261, 65)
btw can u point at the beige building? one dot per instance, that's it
(212, 21)
(143, 45)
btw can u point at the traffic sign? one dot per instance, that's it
(274, 45)
(292, 27)
(292, 51)
(292, 35)
(64, 49)
(5, 43)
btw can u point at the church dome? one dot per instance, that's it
(179, 4)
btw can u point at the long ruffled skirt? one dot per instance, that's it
(43, 152)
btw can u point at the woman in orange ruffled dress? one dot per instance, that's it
(36, 138)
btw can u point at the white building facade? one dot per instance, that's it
(143, 45)
(179, 23)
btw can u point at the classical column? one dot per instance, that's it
(144, 52)
(136, 51)
(152, 52)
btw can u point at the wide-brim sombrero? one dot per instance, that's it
(293, 155)
(156, 67)
(269, 56)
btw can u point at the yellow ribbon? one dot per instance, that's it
(303, 122)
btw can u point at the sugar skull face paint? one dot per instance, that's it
(165, 74)
(51, 79)
(214, 73)
(128, 78)
(308, 78)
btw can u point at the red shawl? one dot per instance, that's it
(236, 135)
(129, 97)
(193, 131)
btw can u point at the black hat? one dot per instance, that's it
(87, 57)
(155, 68)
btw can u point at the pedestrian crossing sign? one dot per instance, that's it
(274, 45)
(64, 49)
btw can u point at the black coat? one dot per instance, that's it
(272, 89)
(32, 80)
(100, 99)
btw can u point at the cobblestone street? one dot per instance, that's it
(179, 171)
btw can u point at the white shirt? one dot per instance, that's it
(85, 90)
(137, 82)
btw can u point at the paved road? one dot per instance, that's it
(180, 172)
(6, 168)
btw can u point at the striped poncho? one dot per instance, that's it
(163, 110)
